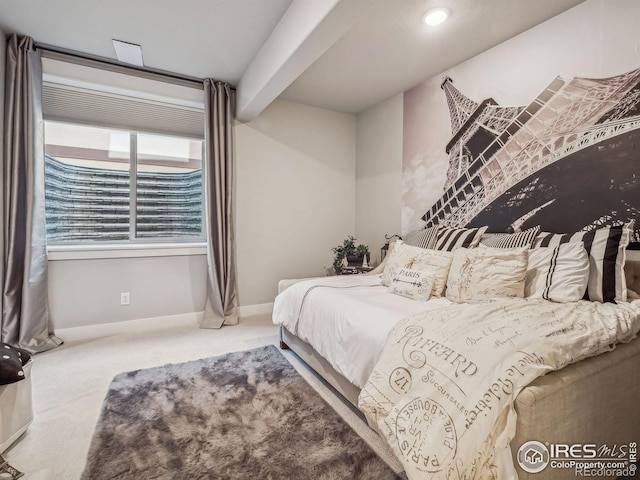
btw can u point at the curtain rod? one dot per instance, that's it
(86, 59)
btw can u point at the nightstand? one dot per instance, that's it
(355, 270)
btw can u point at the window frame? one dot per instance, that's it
(135, 243)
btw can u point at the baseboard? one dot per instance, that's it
(143, 324)
(127, 326)
(259, 309)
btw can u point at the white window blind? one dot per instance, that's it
(81, 105)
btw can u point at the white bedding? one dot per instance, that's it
(346, 319)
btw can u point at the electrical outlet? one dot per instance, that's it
(125, 298)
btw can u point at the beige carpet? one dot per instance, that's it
(70, 383)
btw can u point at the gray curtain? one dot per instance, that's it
(25, 312)
(222, 305)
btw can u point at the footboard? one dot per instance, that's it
(593, 401)
(320, 366)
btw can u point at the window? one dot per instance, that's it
(111, 185)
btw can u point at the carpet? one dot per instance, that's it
(244, 415)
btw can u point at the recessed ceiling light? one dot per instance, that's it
(128, 52)
(436, 16)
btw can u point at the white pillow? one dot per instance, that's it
(415, 284)
(607, 248)
(484, 273)
(406, 256)
(559, 273)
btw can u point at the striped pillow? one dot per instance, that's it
(511, 240)
(449, 238)
(423, 238)
(607, 250)
(559, 273)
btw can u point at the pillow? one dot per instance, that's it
(407, 256)
(415, 284)
(511, 240)
(423, 238)
(449, 238)
(12, 360)
(484, 273)
(607, 249)
(559, 273)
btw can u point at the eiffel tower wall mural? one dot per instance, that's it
(543, 129)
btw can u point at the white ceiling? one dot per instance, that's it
(200, 38)
(360, 53)
(391, 50)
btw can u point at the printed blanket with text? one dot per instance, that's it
(443, 390)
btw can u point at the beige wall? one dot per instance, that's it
(379, 174)
(295, 195)
(295, 199)
(87, 292)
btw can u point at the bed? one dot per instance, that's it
(592, 401)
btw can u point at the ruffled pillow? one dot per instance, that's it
(479, 274)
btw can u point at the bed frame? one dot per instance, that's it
(592, 401)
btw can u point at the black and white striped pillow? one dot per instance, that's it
(423, 238)
(606, 248)
(449, 238)
(559, 273)
(511, 240)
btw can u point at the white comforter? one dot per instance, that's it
(346, 319)
(443, 390)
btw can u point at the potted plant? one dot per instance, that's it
(353, 254)
(357, 259)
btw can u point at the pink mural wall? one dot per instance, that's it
(595, 40)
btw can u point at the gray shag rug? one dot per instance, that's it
(244, 415)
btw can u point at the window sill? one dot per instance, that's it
(90, 252)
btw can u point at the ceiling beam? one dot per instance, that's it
(306, 31)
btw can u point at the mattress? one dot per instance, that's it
(346, 319)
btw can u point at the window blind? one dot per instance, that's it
(79, 105)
